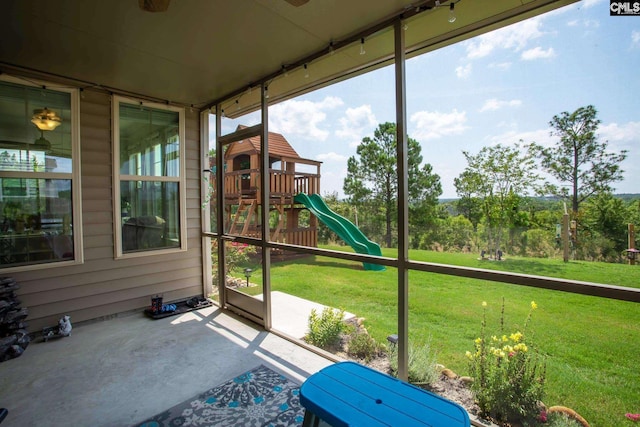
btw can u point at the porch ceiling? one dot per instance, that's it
(201, 51)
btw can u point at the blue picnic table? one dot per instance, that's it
(348, 394)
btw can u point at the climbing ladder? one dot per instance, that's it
(277, 232)
(244, 215)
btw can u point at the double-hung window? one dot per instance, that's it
(149, 187)
(40, 223)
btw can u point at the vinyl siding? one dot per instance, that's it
(103, 286)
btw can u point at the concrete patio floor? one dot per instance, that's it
(121, 371)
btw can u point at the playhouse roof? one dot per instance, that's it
(278, 146)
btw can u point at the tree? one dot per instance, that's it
(453, 233)
(605, 216)
(468, 204)
(633, 212)
(498, 177)
(424, 209)
(579, 159)
(372, 179)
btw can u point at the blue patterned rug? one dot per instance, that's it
(257, 398)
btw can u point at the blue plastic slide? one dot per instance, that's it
(344, 228)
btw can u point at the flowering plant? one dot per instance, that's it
(238, 254)
(633, 417)
(509, 375)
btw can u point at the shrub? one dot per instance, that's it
(362, 345)
(509, 376)
(557, 419)
(595, 247)
(423, 367)
(325, 329)
(540, 243)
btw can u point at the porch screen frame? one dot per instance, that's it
(405, 265)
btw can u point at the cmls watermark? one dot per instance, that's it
(624, 8)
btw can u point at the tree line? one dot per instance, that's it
(504, 202)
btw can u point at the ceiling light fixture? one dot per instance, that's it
(266, 92)
(154, 5)
(42, 144)
(452, 13)
(45, 119)
(306, 71)
(362, 51)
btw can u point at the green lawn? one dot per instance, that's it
(592, 344)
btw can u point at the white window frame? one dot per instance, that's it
(118, 177)
(74, 176)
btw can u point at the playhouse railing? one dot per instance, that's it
(246, 183)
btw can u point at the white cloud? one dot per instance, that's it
(331, 157)
(356, 123)
(463, 72)
(537, 53)
(540, 136)
(592, 23)
(635, 38)
(586, 23)
(591, 3)
(302, 117)
(500, 65)
(481, 47)
(434, 124)
(495, 104)
(333, 180)
(621, 136)
(514, 37)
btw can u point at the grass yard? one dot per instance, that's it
(592, 345)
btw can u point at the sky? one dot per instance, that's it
(498, 88)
